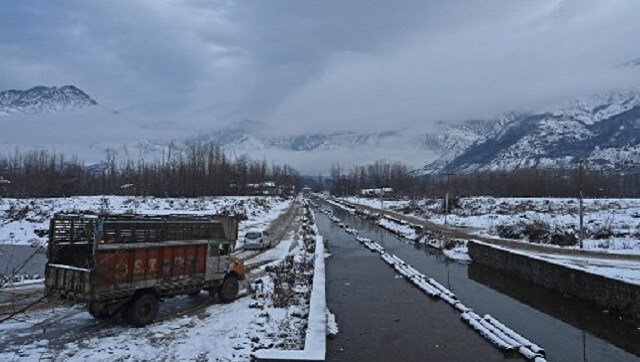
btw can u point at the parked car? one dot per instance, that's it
(259, 239)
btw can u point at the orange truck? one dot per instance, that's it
(129, 263)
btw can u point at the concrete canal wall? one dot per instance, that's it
(611, 294)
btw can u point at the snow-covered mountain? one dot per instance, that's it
(250, 136)
(604, 130)
(43, 100)
(453, 140)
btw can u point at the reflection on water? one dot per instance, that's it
(581, 315)
(29, 260)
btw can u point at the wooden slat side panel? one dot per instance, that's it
(201, 258)
(153, 264)
(178, 262)
(122, 269)
(105, 268)
(167, 263)
(139, 264)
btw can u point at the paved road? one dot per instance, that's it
(568, 330)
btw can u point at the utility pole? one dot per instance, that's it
(446, 197)
(581, 232)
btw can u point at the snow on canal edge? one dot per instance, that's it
(316, 331)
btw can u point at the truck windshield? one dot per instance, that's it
(253, 235)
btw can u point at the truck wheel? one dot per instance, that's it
(229, 290)
(99, 311)
(142, 310)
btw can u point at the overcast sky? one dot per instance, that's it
(304, 66)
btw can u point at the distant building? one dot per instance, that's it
(262, 188)
(376, 192)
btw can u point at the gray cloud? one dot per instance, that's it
(183, 67)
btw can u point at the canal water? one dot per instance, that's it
(25, 259)
(567, 329)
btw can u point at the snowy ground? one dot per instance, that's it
(25, 221)
(219, 332)
(611, 225)
(402, 229)
(484, 214)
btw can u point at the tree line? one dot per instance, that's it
(542, 183)
(199, 170)
(374, 175)
(519, 183)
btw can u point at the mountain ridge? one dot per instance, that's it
(603, 130)
(43, 99)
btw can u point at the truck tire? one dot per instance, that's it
(99, 311)
(229, 290)
(142, 310)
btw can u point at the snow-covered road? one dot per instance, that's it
(189, 328)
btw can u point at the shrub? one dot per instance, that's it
(536, 231)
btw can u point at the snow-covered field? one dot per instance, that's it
(611, 225)
(25, 221)
(371, 202)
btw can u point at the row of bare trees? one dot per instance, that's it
(374, 175)
(540, 183)
(199, 170)
(519, 183)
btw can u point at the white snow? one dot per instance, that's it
(217, 332)
(404, 230)
(221, 332)
(315, 335)
(332, 325)
(481, 215)
(459, 252)
(21, 218)
(626, 271)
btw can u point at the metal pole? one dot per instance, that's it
(581, 233)
(446, 206)
(446, 198)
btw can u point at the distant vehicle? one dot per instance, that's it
(129, 263)
(257, 240)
